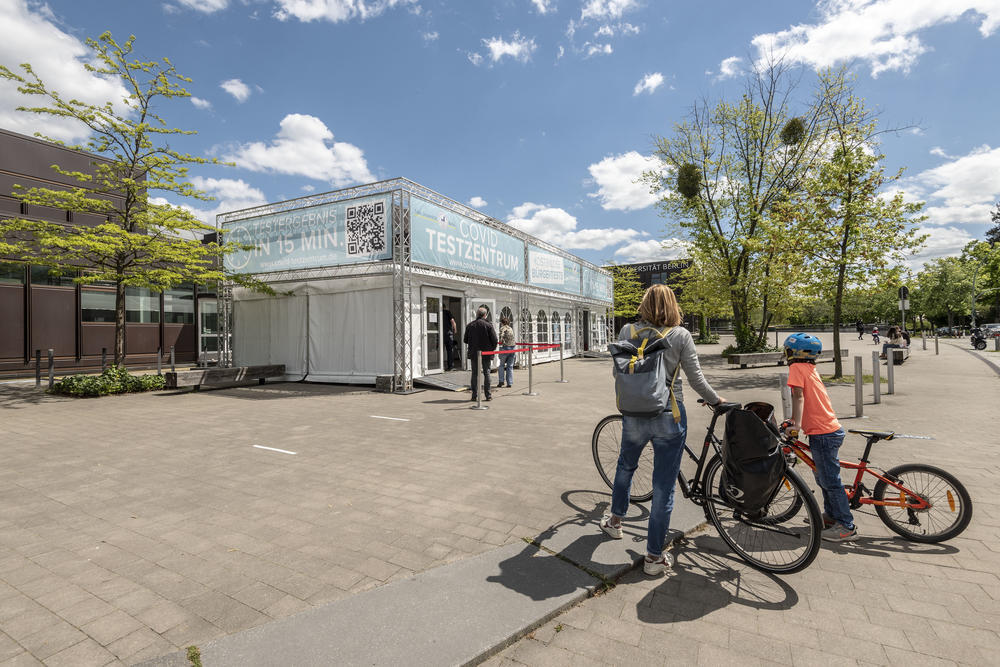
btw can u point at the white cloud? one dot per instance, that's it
(200, 103)
(612, 29)
(304, 146)
(206, 6)
(560, 228)
(335, 11)
(591, 49)
(30, 35)
(938, 151)
(729, 67)
(477, 202)
(431, 36)
(561, 53)
(607, 9)
(308, 187)
(941, 242)
(885, 33)
(651, 250)
(230, 195)
(961, 190)
(648, 83)
(239, 90)
(519, 48)
(619, 184)
(475, 58)
(543, 6)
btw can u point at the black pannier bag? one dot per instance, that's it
(754, 465)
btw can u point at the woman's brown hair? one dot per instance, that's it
(659, 307)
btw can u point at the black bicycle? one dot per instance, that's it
(782, 538)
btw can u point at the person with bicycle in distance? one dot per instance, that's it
(812, 413)
(660, 318)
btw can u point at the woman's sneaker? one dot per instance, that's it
(614, 530)
(840, 533)
(654, 566)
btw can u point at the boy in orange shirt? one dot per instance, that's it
(812, 412)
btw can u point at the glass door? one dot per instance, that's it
(208, 329)
(432, 335)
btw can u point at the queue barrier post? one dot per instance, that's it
(786, 396)
(876, 378)
(996, 343)
(937, 350)
(890, 365)
(562, 374)
(159, 361)
(923, 339)
(859, 409)
(479, 394)
(104, 358)
(531, 381)
(172, 359)
(52, 368)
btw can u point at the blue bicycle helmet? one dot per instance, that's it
(802, 346)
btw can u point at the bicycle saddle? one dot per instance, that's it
(878, 435)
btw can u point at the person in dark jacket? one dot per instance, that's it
(480, 336)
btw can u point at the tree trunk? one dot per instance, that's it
(838, 307)
(703, 326)
(119, 323)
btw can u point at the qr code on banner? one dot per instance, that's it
(366, 228)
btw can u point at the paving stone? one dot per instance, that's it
(87, 652)
(113, 626)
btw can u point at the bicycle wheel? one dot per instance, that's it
(950, 505)
(785, 540)
(606, 446)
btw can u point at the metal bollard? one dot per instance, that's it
(38, 368)
(786, 397)
(52, 368)
(859, 399)
(996, 343)
(159, 361)
(531, 381)
(172, 359)
(876, 378)
(479, 394)
(936, 349)
(562, 375)
(104, 358)
(890, 365)
(923, 339)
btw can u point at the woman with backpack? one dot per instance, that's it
(506, 371)
(659, 320)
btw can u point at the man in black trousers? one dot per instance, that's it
(480, 336)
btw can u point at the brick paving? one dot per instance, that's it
(879, 601)
(133, 526)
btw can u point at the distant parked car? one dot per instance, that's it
(948, 331)
(991, 330)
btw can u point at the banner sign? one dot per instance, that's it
(596, 285)
(443, 238)
(551, 271)
(347, 232)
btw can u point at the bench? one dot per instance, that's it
(215, 376)
(899, 354)
(747, 358)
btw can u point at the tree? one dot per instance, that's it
(841, 224)
(627, 289)
(945, 287)
(702, 292)
(985, 257)
(993, 233)
(734, 163)
(139, 243)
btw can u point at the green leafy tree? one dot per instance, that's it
(733, 163)
(702, 291)
(993, 233)
(945, 286)
(846, 232)
(628, 291)
(986, 257)
(136, 242)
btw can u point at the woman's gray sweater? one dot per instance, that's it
(681, 350)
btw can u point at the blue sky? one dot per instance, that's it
(540, 113)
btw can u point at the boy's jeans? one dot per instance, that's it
(824, 450)
(506, 371)
(668, 447)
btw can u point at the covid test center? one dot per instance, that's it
(367, 280)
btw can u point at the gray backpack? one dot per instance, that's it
(642, 388)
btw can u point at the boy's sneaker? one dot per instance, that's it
(654, 566)
(614, 530)
(840, 533)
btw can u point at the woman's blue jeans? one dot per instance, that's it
(506, 371)
(824, 450)
(668, 447)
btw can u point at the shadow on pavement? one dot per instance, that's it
(275, 391)
(885, 547)
(13, 396)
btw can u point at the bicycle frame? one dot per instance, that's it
(692, 489)
(856, 492)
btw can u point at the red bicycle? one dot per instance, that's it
(917, 501)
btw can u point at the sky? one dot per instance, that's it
(540, 113)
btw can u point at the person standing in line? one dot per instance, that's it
(859, 325)
(506, 371)
(449, 337)
(658, 310)
(480, 336)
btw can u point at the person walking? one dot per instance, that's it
(659, 311)
(480, 336)
(505, 374)
(859, 325)
(449, 338)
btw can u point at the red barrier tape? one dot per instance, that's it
(536, 346)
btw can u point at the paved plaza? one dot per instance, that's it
(134, 526)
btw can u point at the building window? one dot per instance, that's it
(11, 273)
(142, 306)
(178, 305)
(44, 275)
(543, 328)
(568, 328)
(556, 328)
(526, 332)
(97, 305)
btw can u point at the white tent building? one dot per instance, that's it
(366, 276)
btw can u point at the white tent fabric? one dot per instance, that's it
(350, 336)
(272, 331)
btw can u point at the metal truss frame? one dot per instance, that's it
(402, 293)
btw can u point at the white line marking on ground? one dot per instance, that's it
(273, 449)
(395, 419)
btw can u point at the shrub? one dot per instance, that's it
(707, 340)
(114, 380)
